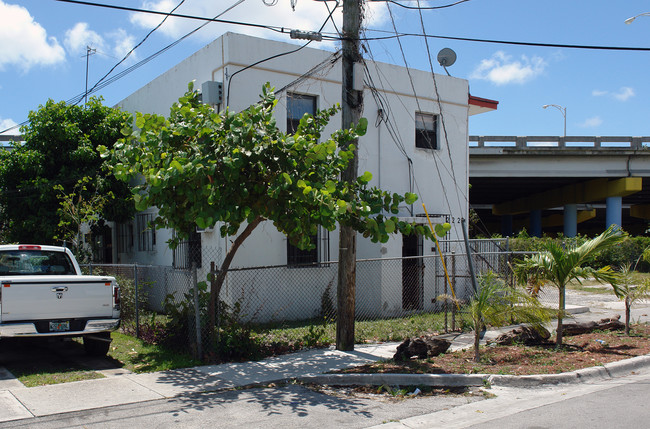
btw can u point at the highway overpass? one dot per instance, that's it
(547, 184)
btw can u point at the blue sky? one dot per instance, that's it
(43, 46)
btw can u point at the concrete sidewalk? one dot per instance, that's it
(123, 387)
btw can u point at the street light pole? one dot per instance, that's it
(561, 109)
(631, 20)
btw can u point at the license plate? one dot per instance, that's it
(60, 326)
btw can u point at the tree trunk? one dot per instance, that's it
(477, 338)
(560, 313)
(216, 282)
(628, 304)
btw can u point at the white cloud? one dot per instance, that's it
(80, 36)
(308, 16)
(502, 69)
(123, 43)
(23, 42)
(592, 122)
(6, 124)
(623, 94)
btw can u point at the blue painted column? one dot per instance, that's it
(570, 220)
(506, 225)
(614, 214)
(536, 223)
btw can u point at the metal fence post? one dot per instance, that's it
(453, 282)
(446, 303)
(197, 314)
(90, 268)
(137, 300)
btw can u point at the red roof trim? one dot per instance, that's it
(483, 102)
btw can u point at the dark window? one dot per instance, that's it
(297, 106)
(295, 256)
(188, 252)
(146, 232)
(426, 131)
(125, 237)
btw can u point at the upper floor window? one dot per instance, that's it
(297, 106)
(426, 130)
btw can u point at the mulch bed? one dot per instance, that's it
(579, 351)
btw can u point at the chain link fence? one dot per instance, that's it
(301, 299)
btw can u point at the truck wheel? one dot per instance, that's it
(97, 344)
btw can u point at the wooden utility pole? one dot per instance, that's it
(351, 107)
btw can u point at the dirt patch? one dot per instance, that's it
(579, 351)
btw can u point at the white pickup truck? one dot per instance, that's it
(44, 294)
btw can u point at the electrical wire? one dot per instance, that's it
(442, 121)
(105, 83)
(175, 15)
(326, 36)
(135, 47)
(276, 55)
(420, 7)
(505, 42)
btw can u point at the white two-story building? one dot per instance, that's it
(417, 141)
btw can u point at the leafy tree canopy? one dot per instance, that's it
(58, 152)
(199, 167)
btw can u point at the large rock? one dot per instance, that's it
(524, 335)
(422, 348)
(607, 324)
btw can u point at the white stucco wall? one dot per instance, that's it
(439, 177)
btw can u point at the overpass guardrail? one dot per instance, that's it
(559, 142)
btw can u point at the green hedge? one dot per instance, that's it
(629, 251)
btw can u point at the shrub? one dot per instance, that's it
(233, 338)
(127, 297)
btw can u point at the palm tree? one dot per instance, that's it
(559, 266)
(630, 293)
(495, 304)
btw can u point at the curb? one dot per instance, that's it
(439, 380)
(607, 371)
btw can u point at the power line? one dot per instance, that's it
(392, 36)
(505, 42)
(175, 15)
(276, 55)
(418, 7)
(134, 48)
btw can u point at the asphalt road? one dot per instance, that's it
(620, 406)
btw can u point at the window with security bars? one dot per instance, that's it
(296, 256)
(125, 237)
(426, 130)
(297, 106)
(188, 252)
(146, 232)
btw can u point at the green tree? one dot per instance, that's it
(630, 293)
(200, 168)
(558, 266)
(495, 304)
(75, 210)
(59, 151)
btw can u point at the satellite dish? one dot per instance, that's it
(446, 57)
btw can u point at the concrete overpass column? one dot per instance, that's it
(536, 223)
(570, 220)
(506, 225)
(614, 213)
